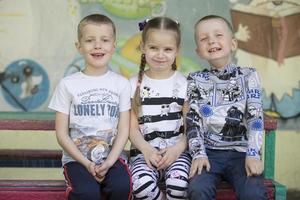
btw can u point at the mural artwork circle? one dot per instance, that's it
(24, 84)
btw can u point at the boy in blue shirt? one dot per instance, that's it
(225, 119)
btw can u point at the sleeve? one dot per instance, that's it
(254, 114)
(194, 122)
(61, 99)
(133, 82)
(125, 103)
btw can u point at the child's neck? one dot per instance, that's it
(159, 74)
(94, 71)
(219, 67)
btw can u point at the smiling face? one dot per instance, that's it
(96, 45)
(160, 49)
(215, 42)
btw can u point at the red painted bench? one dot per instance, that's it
(55, 190)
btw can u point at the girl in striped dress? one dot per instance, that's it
(158, 152)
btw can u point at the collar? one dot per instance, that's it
(226, 72)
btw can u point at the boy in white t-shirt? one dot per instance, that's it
(92, 118)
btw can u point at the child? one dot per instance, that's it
(224, 136)
(92, 117)
(157, 131)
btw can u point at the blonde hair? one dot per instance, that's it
(94, 19)
(208, 17)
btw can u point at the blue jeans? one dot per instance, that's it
(83, 186)
(226, 165)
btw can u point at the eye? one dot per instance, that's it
(153, 47)
(106, 40)
(88, 40)
(219, 34)
(203, 39)
(168, 49)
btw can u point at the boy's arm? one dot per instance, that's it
(254, 119)
(194, 124)
(121, 138)
(64, 140)
(194, 131)
(118, 144)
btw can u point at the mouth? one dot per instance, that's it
(212, 50)
(97, 55)
(159, 61)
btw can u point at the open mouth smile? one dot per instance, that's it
(214, 49)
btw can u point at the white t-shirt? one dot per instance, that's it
(93, 104)
(160, 118)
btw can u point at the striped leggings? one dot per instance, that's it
(145, 180)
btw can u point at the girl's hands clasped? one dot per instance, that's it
(152, 156)
(169, 155)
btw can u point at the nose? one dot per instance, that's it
(160, 54)
(97, 45)
(211, 40)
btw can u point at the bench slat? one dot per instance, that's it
(9, 124)
(23, 154)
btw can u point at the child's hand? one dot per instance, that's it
(90, 166)
(197, 165)
(101, 170)
(169, 155)
(254, 166)
(152, 156)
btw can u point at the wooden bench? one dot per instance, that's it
(55, 189)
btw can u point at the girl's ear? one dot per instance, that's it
(178, 50)
(142, 47)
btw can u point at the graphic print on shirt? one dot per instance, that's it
(230, 92)
(197, 91)
(176, 90)
(160, 119)
(233, 129)
(165, 109)
(92, 142)
(145, 93)
(95, 147)
(253, 112)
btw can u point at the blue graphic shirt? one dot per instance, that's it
(225, 111)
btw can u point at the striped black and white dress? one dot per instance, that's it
(161, 124)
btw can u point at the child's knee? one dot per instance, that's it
(143, 186)
(86, 192)
(176, 188)
(253, 194)
(201, 190)
(254, 189)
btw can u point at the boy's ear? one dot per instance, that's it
(234, 44)
(77, 45)
(197, 50)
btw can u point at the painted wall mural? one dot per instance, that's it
(37, 47)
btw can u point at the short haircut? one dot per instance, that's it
(207, 17)
(95, 19)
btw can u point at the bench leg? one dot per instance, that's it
(280, 191)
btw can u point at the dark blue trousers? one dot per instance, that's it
(82, 185)
(230, 166)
